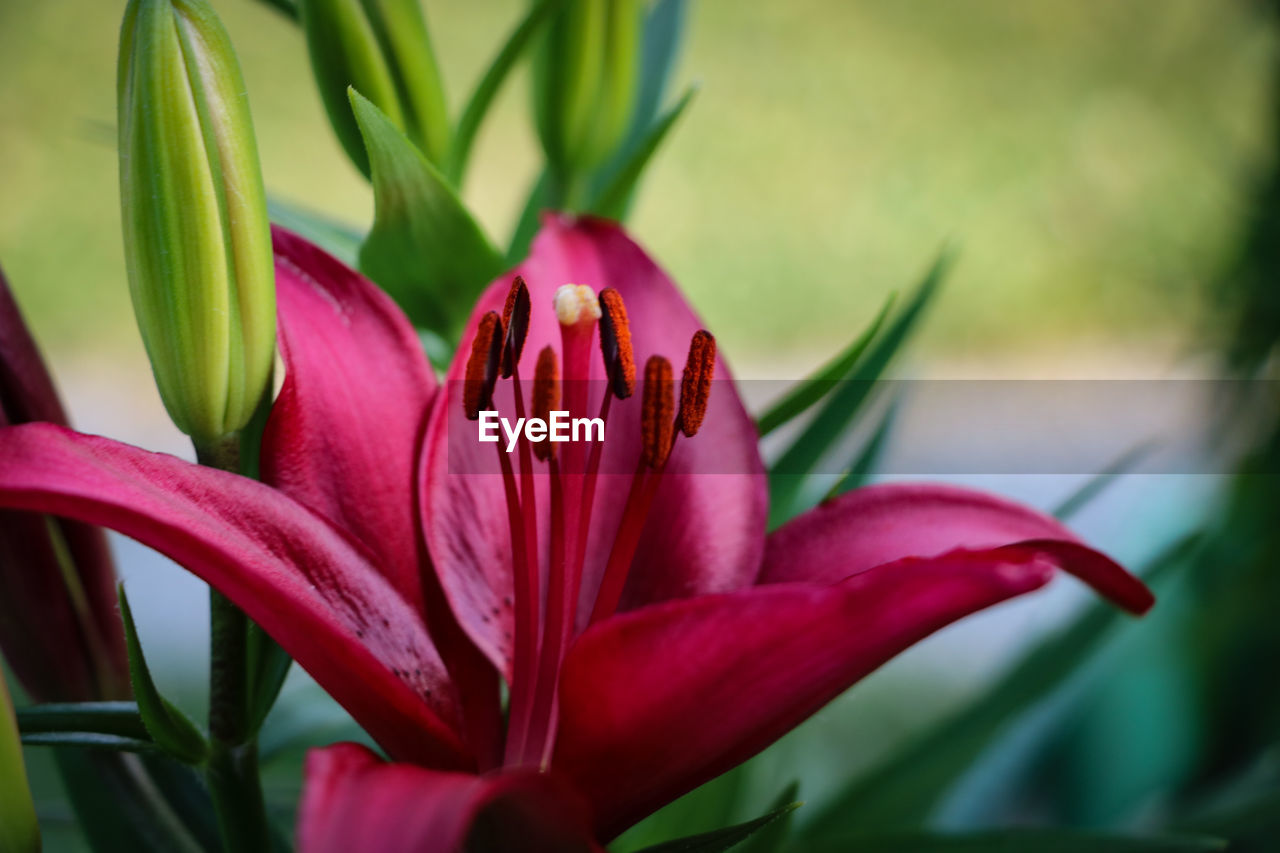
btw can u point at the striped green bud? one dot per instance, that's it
(196, 233)
(586, 80)
(381, 49)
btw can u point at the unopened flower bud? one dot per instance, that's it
(586, 81)
(381, 49)
(196, 234)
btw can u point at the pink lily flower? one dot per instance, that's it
(651, 634)
(59, 628)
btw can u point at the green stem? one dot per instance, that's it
(232, 770)
(236, 786)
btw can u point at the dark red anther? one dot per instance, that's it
(515, 319)
(615, 344)
(695, 386)
(657, 407)
(546, 396)
(482, 366)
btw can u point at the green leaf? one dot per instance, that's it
(425, 249)
(108, 718)
(1096, 484)
(615, 198)
(337, 238)
(722, 839)
(482, 98)
(772, 838)
(169, 727)
(120, 804)
(902, 791)
(19, 829)
(663, 29)
(864, 465)
(527, 225)
(789, 476)
(90, 740)
(1021, 840)
(819, 384)
(1254, 815)
(268, 666)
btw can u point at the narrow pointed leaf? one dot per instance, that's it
(1020, 840)
(482, 98)
(901, 792)
(1098, 483)
(19, 830)
(864, 465)
(1252, 816)
(90, 740)
(722, 839)
(663, 28)
(146, 802)
(110, 718)
(821, 383)
(789, 476)
(169, 727)
(425, 249)
(772, 838)
(614, 199)
(268, 667)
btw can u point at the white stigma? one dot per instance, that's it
(576, 303)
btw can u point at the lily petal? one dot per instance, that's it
(705, 532)
(26, 388)
(658, 701)
(64, 644)
(316, 591)
(344, 434)
(353, 800)
(879, 524)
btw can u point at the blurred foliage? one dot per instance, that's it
(1095, 158)
(1091, 155)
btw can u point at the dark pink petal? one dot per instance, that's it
(59, 649)
(705, 532)
(344, 433)
(354, 801)
(882, 523)
(313, 589)
(658, 701)
(26, 388)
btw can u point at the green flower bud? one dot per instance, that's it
(585, 81)
(381, 49)
(19, 832)
(196, 233)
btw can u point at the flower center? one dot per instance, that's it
(572, 468)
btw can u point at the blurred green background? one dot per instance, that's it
(1097, 161)
(1091, 159)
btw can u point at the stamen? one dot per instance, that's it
(615, 344)
(482, 366)
(695, 386)
(515, 319)
(546, 396)
(657, 427)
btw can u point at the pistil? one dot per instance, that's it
(540, 645)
